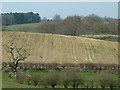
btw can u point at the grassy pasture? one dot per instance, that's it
(49, 48)
(37, 28)
(10, 83)
(31, 27)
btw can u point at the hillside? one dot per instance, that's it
(72, 25)
(49, 27)
(52, 48)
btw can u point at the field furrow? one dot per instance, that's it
(51, 48)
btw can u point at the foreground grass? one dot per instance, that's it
(10, 83)
(7, 84)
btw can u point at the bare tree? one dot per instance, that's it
(103, 79)
(36, 79)
(108, 80)
(52, 79)
(56, 18)
(44, 19)
(66, 79)
(72, 77)
(17, 54)
(77, 80)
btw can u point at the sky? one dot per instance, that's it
(49, 9)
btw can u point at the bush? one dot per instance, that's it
(21, 77)
(29, 80)
(112, 82)
(44, 82)
(72, 77)
(93, 82)
(66, 80)
(51, 79)
(108, 80)
(35, 79)
(76, 80)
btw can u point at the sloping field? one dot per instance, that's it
(48, 48)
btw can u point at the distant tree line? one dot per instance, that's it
(71, 25)
(78, 25)
(20, 18)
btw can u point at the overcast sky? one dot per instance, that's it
(49, 9)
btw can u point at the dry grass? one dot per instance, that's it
(48, 48)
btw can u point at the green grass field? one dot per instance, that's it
(10, 83)
(30, 27)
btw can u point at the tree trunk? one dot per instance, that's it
(53, 86)
(87, 86)
(92, 85)
(15, 67)
(74, 86)
(65, 86)
(102, 87)
(15, 72)
(111, 88)
(77, 85)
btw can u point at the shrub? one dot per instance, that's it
(76, 80)
(29, 80)
(93, 82)
(112, 82)
(35, 79)
(103, 79)
(108, 80)
(21, 77)
(66, 80)
(51, 79)
(44, 82)
(71, 76)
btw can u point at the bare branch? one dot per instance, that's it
(25, 57)
(17, 54)
(11, 65)
(11, 52)
(10, 49)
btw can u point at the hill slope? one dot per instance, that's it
(48, 48)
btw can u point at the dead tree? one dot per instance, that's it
(17, 54)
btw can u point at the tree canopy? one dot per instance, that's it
(20, 18)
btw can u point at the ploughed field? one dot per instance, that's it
(61, 49)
